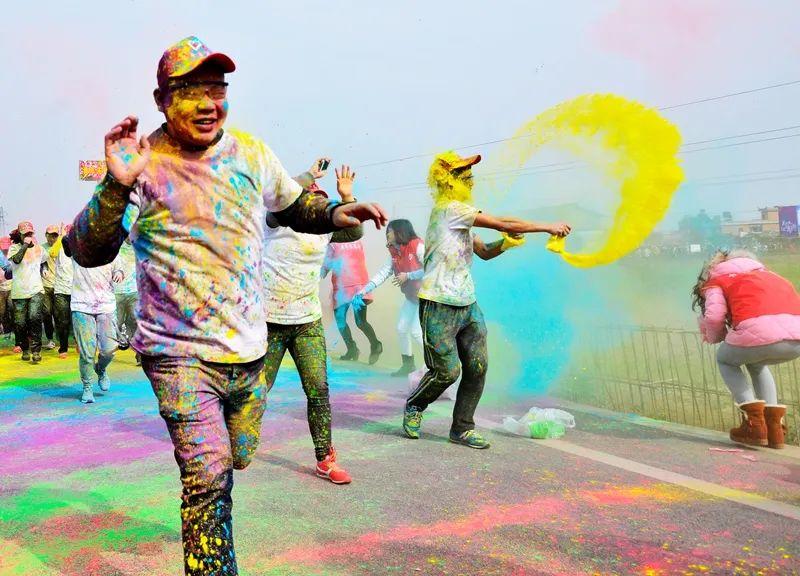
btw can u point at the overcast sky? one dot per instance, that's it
(368, 82)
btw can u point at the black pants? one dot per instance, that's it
(306, 344)
(340, 314)
(454, 340)
(48, 312)
(28, 323)
(63, 318)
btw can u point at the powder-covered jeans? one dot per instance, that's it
(454, 340)
(756, 359)
(28, 322)
(306, 344)
(95, 337)
(213, 413)
(126, 316)
(63, 318)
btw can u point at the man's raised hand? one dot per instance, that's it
(126, 157)
(349, 215)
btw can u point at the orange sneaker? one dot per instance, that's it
(62, 355)
(329, 469)
(17, 349)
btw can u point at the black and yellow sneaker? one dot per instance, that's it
(470, 438)
(412, 421)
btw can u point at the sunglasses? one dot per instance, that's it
(198, 90)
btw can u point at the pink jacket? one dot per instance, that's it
(757, 331)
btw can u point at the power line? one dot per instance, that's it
(745, 181)
(781, 85)
(672, 107)
(741, 143)
(532, 170)
(742, 135)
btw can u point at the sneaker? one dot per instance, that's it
(123, 346)
(37, 357)
(375, 352)
(17, 350)
(104, 382)
(26, 356)
(329, 469)
(88, 396)
(138, 359)
(412, 420)
(62, 355)
(470, 438)
(50, 345)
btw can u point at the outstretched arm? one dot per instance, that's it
(517, 226)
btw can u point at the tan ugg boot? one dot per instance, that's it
(753, 430)
(774, 415)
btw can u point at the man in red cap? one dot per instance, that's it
(203, 196)
(27, 292)
(454, 331)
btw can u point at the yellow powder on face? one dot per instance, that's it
(643, 147)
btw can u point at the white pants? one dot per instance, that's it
(408, 327)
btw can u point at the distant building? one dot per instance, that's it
(767, 225)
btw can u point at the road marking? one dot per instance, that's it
(709, 488)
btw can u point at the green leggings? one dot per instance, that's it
(306, 344)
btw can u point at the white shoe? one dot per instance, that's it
(88, 395)
(50, 345)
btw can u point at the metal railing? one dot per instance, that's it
(666, 374)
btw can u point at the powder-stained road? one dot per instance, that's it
(93, 490)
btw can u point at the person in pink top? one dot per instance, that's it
(755, 316)
(348, 267)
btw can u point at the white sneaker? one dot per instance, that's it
(50, 345)
(88, 395)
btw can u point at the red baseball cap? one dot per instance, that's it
(25, 227)
(185, 56)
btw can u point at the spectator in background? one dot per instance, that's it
(62, 291)
(755, 316)
(6, 322)
(406, 255)
(348, 267)
(94, 320)
(48, 277)
(27, 292)
(126, 294)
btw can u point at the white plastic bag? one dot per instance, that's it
(522, 426)
(416, 376)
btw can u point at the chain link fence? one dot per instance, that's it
(666, 374)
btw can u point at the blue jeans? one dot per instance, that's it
(95, 336)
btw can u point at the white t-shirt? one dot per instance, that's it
(63, 281)
(448, 255)
(292, 263)
(93, 290)
(199, 241)
(27, 280)
(49, 269)
(125, 262)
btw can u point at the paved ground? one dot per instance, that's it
(93, 490)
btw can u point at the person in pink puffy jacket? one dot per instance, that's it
(755, 316)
